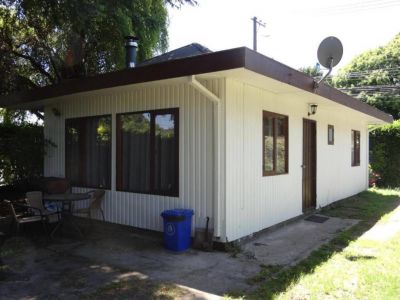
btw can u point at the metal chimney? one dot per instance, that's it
(130, 51)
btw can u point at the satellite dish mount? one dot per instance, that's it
(330, 52)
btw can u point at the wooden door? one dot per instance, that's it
(309, 165)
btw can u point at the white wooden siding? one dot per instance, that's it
(254, 202)
(249, 201)
(196, 147)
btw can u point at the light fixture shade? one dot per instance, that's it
(312, 109)
(56, 112)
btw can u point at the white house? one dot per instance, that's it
(227, 134)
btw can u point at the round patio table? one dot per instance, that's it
(66, 208)
(68, 197)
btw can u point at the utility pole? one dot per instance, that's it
(256, 23)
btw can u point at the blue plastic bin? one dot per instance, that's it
(177, 228)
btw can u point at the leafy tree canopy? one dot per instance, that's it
(312, 71)
(374, 77)
(45, 42)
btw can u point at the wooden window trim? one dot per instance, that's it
(82, 153)
(286, 133)
(119, 162)
(355, 134)
(331, 142)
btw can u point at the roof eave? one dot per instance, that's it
(256, 62)
(202, 64)
(206, 63)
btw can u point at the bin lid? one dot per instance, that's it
(177, 212)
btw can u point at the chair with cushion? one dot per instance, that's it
(21, 218)
(96, 199)
(35, 199)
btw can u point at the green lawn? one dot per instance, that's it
(350, 266)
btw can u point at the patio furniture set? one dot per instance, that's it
(55, 205)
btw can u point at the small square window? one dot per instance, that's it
(331, 135)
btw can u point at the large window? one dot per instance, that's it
(148, 152)
(88, 151)
(275, 143)
(355, 148)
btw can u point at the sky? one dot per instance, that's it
(293, 28)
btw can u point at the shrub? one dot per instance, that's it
(385, 154)
(22, 148)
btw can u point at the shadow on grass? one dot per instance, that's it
(368, 207)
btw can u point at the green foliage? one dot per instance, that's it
(385, 155)
(311, 71)
(22, 148)
(374, 68)
(44, 42)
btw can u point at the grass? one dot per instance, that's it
(348, 267)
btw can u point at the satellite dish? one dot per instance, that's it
(330, 52)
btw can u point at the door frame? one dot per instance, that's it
(314, 189)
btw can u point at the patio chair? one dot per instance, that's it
(97, 197)
(21, 219)
(35, 199)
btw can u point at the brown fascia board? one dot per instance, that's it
(201, 64)
(268, 67)
(212, 62)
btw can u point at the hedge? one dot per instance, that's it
(385, 154)
(22, 148)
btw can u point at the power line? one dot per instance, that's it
(360, 6)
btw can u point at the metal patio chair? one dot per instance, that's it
(96, 199)
(34, 215)
(35, 199)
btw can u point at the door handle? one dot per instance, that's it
(303, 166)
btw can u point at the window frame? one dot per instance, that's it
(66, 120)
(331, 141)
(119, 149)
(355, 151)
(286, 133)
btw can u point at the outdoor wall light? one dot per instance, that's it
(312, 109)
(56, 112)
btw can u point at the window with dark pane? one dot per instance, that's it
(134, 143)
(88, 151)
(165, 158)
(268, 144)
(355, 148)
(148, 152)
(275, 144)
(331, 135)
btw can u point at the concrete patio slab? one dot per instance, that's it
(211, 272)
(291, 243)
(68, 268)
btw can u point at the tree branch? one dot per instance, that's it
(38, 114)
(53, 63)
(36, 65)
